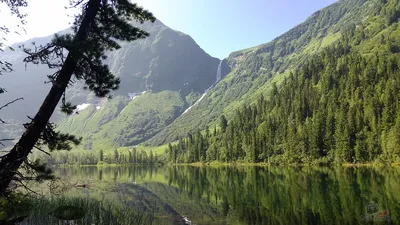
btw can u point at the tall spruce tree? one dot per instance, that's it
(95, 31)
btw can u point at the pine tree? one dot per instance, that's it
(134, 153)
(130, 159)
(151, 160)
(101, 155)
(116, 156)
(223, 123)
(96, 31)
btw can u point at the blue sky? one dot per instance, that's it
(218, 26)
(223, 26)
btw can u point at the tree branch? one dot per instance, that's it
(9, 103)
(6, 139)
(42, 150)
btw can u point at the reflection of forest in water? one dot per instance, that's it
(264, 195)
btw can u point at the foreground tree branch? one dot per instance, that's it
(110, 17)
(9, 103)
(2, 121)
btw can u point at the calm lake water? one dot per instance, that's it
(248, 195)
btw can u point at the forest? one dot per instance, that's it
(339, 106)
(131, 156)
(140, 125)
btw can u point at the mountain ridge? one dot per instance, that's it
(337, 106)
(168, 60)
(255, 69)
(163, 80)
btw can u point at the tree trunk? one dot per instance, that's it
(11, 162)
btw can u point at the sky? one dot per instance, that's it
(218, 26)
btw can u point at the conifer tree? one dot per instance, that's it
(95, 31)
(101, 155)
(223, 123)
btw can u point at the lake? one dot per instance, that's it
(246, 195)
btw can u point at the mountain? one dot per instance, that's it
(325, 92)
(172, 90)
(160, 77)
(27, 81)
(254, 70)
(167, 60)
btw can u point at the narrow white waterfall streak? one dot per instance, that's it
(218, 78)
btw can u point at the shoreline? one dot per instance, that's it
(213, 164)
(239, 164)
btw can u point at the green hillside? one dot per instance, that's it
(254, 72)
(124, 122)
(338, 105)
(164, 77)
(255, 69)
(168, 65)
(173, 71)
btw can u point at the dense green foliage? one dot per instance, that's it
(341, 105)
(132, 156)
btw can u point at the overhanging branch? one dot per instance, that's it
(9, 103)
(42, 150)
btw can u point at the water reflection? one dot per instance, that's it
(264, 195)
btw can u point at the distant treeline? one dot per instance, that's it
(91, 157)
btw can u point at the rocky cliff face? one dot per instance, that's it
(161, 76)
(167, 60)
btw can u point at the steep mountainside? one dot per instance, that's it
(340, 105)
(27, 81)
(255, 69)
(171, 88)
(167, 60)
(161, 76)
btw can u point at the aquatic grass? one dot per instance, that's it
(83, 211)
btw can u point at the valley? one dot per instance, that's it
(271, 95)
(121, 119)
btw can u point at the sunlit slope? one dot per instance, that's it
(256, 68)
(124, 122)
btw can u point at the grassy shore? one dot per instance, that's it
(216, 164)
(64, 209)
